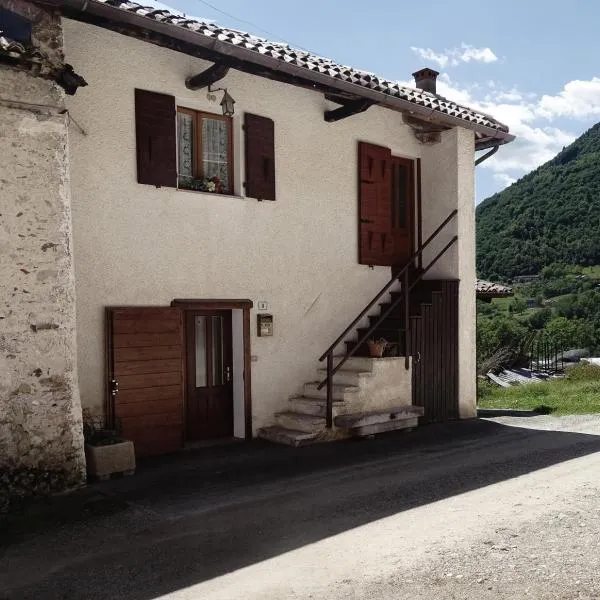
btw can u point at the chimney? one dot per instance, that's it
(425, 79)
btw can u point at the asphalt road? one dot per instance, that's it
(404, 515)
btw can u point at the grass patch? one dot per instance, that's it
(577, 394)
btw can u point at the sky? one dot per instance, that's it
(532, 64)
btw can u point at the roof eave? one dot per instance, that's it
(489, 135)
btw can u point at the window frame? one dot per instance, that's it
(197, 116)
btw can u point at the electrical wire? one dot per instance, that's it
(269, 33)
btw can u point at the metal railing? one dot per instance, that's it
(407, 286)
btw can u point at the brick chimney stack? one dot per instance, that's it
(425, 79)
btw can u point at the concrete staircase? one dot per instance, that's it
(369, 395)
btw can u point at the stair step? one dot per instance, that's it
(389, 334)
(389, 322)
(345, 376)
(362, 419)
(396, 349)
(316, 407)
(340, 391)
(371, 423)
(358, 363)
(300, 422)
(291, 437)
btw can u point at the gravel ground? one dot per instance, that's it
(503, 508)
(555, 557)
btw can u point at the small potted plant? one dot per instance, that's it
(106, 452)
(377, 347)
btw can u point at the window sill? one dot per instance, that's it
(213, 194)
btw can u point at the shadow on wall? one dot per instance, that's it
(192, 517)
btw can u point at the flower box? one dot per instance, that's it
(103, 461)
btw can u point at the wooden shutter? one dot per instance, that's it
(376, 244)
(156, 138)
(260, 157)
(145, 376)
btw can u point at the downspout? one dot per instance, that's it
(487, 155)
(478, 162)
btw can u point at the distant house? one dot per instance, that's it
(486, 290)
(191, 232)
(525, 279)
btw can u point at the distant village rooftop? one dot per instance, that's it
(489, 289)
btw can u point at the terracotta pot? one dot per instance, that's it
(376, 349)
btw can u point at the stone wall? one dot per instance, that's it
(41, 444)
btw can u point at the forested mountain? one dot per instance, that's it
(551, 215)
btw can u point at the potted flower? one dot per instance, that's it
(377, 347)
(214, 185)
(106, 452)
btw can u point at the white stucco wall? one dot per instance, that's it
(448, 184)
(139, 245)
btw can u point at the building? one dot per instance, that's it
(196, 216)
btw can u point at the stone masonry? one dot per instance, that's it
(41, 442)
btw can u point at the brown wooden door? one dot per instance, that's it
(209, 367)
(386, 207)
(434, 350)
(145, 376)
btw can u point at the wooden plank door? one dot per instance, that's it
(386, 207)
(145, 376)
(434, 350)
(209, 381)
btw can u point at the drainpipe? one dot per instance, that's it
(487, 155)
(478, 162)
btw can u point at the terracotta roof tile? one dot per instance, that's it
(312, 62)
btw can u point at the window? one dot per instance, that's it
(15, 27)
(180, 147)
(204, 151)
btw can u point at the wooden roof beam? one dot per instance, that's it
(208, 77)
(347, 110)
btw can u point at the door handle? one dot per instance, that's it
(115, 387)
(366, 221)
(227, 374)
(418, 357)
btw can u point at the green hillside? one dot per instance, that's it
(552, 215)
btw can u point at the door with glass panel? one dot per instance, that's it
(209, 405)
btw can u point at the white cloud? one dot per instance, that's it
(577, 99)
(454, 56)
(428, 54)
(504, 180)
(470, 53)
(529, 117)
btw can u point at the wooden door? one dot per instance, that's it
(386, 207)
(434, 350)
(209, 380)
(145, 376)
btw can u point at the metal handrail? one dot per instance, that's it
(388, 285)
(406, 288)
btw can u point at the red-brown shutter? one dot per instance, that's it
(260, 157)
(156, 138)
(376, 243)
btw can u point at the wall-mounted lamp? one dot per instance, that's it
(227, 101)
